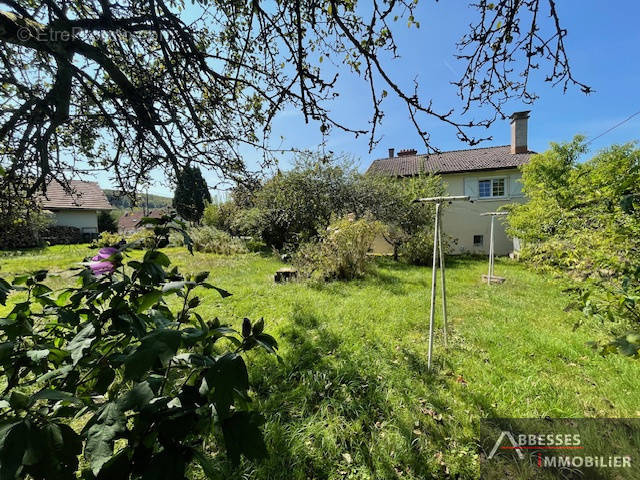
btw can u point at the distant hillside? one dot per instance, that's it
(118, 201)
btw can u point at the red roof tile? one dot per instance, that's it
(128, 222)
(83, 196)
(456, 161)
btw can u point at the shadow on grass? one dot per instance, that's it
(331, 409)
(9, 253)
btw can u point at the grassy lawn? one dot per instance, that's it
(353, 398)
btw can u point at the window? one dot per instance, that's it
(478, 240)
(498, 187)
(491, 188)
(484, 188)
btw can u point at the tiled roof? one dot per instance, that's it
(129, 221)
(83, 196)
(456, 161)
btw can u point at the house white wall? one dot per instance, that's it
(462, 220)
(86, 220)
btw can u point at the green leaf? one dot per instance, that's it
(258, 327)
(13, 443)
(20, 280)
(37, 355)
(55, 395)
(57, 373)
(118, 467)
(228, 375)
(155, 256)
(149, 221)
(5, 288)
(172, 287)
(201, 277)
(6, 349)
(63, 298)
(223, 293)
(80, 342)
(161, 345)
(267, 342)
(106, 376)
(18, 400)
(138, 397)
(110, 424)
(242, 435)
(148, 300)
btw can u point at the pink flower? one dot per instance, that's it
(105, 253)
(101, 268)
(100, 264)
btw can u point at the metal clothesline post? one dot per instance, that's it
(493, 215)
(437, 251)
(443, 286)
(433, 283)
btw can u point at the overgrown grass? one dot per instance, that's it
(352, 398)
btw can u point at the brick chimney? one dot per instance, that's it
(407, 152)
(391, 152)
(519, 132)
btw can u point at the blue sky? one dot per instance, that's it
(603, 44)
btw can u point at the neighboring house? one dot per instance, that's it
(490, 176)
(128, 222)
(78, 207)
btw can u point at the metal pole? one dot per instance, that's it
(490, 254)
(433, 284)
(442, 280)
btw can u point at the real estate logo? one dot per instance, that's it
(562, 448)
(515, 446)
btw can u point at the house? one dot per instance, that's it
(490, 176)
(128, 222)
(78, 207)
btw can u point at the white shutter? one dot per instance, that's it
(471, 186)
(516, 185)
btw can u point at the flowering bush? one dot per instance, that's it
(125, 369)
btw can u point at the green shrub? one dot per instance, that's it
(124, 370)
(246, 222)
(62, 235)
(22, 222)
(254, 245)
(418, 249)
(341, 252)
(212, 240)
(582, 219)
(211, 216)
(139, 240)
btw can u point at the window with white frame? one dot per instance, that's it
(493, 187)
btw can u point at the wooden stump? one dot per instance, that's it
(494, 279)
(285, 274)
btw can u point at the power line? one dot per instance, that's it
(614, 127)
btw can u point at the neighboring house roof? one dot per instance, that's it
(83, 196)
(456, 161)
(129, 221)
